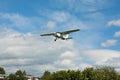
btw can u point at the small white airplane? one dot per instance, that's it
(62, 35)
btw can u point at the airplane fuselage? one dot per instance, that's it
(61, 36)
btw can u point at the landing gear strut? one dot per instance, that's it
(55, 39)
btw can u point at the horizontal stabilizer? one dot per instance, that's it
(69, 38)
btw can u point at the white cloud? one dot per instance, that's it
(100, 56)
(16, 19)
(69, 55)
(114, 23)
(51, 25)
(67, 20)
(69, 59)
(117, 34)
(60, 16)
(115, 62)
(66, 62)
(109, 43)
(64, 20)
(20, 22)
(26, 24)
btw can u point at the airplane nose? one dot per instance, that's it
(58, 34)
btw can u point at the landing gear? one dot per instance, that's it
(55, 39)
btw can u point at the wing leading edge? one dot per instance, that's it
(51, 34)
(69, 31)
(63, 33)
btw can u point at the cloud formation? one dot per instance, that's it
(114, 23)
(100, 56)
(109, 43)
(51, 25)
(117, 34)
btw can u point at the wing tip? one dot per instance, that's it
(77, 29)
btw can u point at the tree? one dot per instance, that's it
(75, 75)
(107, 73)
(46, 76)
(60, 75)
(67, 75)
(89, 74)
(2, 71)
(21, 75)
(98, 73)
(12, 77)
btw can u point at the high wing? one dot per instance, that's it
(69, 31)
(50, 34)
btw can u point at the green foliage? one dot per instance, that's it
(21, 75)
(89, 73)
(12, 77)
(60, 75)
(107, 73)
(75, 75)
(2, 71)
(98, 73)
(46, 76)
(64, 75)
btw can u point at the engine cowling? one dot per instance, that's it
(58, 34)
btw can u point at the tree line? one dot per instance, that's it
(90, 73)
(18, 75)
(98, 73)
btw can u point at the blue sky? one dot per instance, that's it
(22, 21)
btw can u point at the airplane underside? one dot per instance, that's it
(62, 38)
